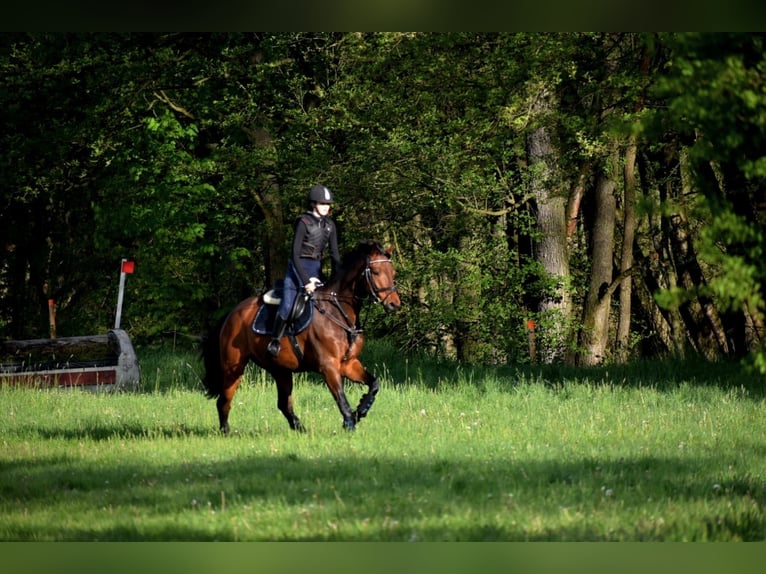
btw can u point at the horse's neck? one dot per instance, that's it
(345, 293)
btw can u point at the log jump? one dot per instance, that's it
(95, 362)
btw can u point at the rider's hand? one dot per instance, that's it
(311, 286)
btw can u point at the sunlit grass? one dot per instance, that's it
(454, 453)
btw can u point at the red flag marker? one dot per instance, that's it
(125, 268)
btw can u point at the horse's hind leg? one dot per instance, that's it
(233, 368)
(284, 380)
(223, 404)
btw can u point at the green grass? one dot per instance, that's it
(653, 451)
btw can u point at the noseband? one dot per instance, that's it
(376, 291)
(352, 326)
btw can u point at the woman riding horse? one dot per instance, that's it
(313, 232)
(330, 345)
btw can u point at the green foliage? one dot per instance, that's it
(191, 154)
(715, 95)
(735, 247)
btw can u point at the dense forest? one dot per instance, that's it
(603, 192)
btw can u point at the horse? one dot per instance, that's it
(330, 345)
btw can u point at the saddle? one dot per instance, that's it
(300, 316)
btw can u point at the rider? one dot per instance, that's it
(314, 231)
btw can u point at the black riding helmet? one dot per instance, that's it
(320, 194)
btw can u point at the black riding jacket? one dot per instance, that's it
(312, 236)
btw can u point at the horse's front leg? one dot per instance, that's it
(367, 399)
(355, 371)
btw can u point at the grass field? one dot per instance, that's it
(652, 451)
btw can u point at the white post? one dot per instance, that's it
(120, 295)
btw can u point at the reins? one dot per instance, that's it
(352, 330)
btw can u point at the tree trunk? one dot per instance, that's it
(626, 255)
(274, 243)
(654, 251)
(268, 198)
(702, 323)
(595, 330)
(551, 247)
(468, 303)
(738, 325)
(658, 336)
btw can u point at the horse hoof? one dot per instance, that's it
(349, 425)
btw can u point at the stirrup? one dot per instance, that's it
(274, 347)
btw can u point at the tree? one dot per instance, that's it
(607, 182)
(716, 104)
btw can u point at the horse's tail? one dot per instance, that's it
(210, 349)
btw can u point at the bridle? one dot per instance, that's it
(374, 290)
(352, 329)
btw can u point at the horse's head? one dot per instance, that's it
(380, 274)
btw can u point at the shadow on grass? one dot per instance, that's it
(103, 432)
(394, 499)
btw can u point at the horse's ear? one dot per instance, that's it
(390, 251)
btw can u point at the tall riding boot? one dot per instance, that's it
(280, 325)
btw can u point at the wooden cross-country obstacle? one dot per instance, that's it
(96, 362)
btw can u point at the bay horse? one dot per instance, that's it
(330, 345)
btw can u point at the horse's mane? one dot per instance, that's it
(360, 253)
(354, 258)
